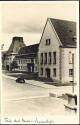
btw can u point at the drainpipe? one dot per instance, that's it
(60, 75)
(73, 73)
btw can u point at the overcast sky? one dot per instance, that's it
(28, 19)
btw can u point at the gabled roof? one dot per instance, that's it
(66, 31)
(27, 52)
(29, 49)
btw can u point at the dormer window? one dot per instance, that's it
(70, 30)
(48, 41)
(74, 38)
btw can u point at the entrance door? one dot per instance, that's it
(48, 72)
(7, 67)
(30, 67)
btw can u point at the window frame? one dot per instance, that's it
(48, 42)
(41, 71)
(54, 72)
(54, 57)
(41, 58)
(50, 58)
(71, 72)
(45, 58)
(71, 61)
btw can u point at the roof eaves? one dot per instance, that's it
(68, 46)
(43, 30)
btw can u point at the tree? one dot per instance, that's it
(13, 65)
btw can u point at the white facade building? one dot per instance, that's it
(57, 51)
(27, 58)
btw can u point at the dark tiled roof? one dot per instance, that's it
(29, 49)
(65, 30)
(4, 52)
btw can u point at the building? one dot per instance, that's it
(3, 55)
(57, 51)
(17, 43)
(27, 58)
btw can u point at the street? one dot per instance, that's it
(26, 99)
(20, 100)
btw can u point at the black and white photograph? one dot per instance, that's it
(39, 73)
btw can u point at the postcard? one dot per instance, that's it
(39, 62)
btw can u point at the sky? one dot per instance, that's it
(27, 19)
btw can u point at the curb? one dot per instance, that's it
(33, 82)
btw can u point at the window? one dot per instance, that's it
(54, 72)
(48, 41)
(71, 58)
(76, 100)
(41, 58)
(19, 61)
(32, 60)
(35, 61)
(70, 30)
(54, 57)
(49, 58)
(70, 72)
(45, 61)
(35, 68)
(74, 38)
(25, 61)
(41, 71)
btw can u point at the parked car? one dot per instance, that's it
(20, 80)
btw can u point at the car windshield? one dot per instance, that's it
(20, 77)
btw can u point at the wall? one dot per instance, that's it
(65, 66)
(9, 58)
(22, 63)
(54, 46)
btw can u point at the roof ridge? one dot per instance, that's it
(66, 30)
(61, 19)
(30, 45)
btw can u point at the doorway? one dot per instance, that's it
(30, 67)
(7, 67)
(48, 72)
